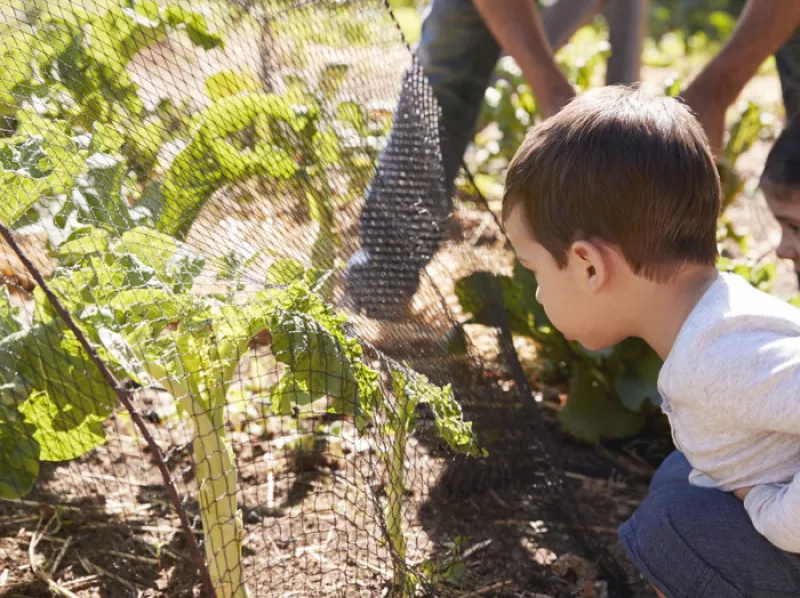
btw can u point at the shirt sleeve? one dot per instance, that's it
(775, 512)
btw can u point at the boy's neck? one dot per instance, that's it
(664, 307)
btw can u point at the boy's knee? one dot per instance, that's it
(655, 538)
(674, 470)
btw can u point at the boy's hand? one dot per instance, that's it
(741, 493)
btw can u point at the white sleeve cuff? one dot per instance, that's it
(774, 510)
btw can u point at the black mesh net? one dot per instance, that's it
(224, 371)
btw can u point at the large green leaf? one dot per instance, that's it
(157, 307)
(98, 196)
(62, 432)
(81, 241)
(289, 394)
(19, 452)
(285, 271)
(638, 383)
(471, 292)
(42, 159)
(316, 357)
(230, 83)
(70, 394)
(590, 414)
(527, 285)
(154, 249)
(448, 416)
(211, 161)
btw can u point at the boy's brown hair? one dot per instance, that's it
(621, 167)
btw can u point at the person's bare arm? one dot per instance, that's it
(517, 26)
(762, 28)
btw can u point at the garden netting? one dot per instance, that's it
(222, 371)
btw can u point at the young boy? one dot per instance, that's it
(613, 204)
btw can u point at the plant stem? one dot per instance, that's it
(326, 242)
(394, 493)
(219, 513)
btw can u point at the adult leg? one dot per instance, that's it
(788, 62)
(409, 200)
(700, 542)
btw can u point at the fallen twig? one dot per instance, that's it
(15, 520)
(92, 568)
(59, 556)
(44, 537)
(497, 498)
(39, 571)
(81, 581)
(486, 589)
(132, 557)
(473, 549)
(378, 570)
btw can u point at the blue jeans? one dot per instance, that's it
(787, 60)
(695, 542)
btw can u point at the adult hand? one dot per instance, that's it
(709, 106)
(553, 96)
(517, 27)
(763, 27)
(741, 493)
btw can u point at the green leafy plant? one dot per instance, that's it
(80, 147)
(76, 135)
(133, 298)
(211, 161)
(744, 132)
(71, 62)
(610, 391)
(409, 390)
(301, 140)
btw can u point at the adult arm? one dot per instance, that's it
(517, 27)
(762, 28)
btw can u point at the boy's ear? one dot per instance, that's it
(591, 263)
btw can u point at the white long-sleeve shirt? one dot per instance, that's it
(731, 389)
